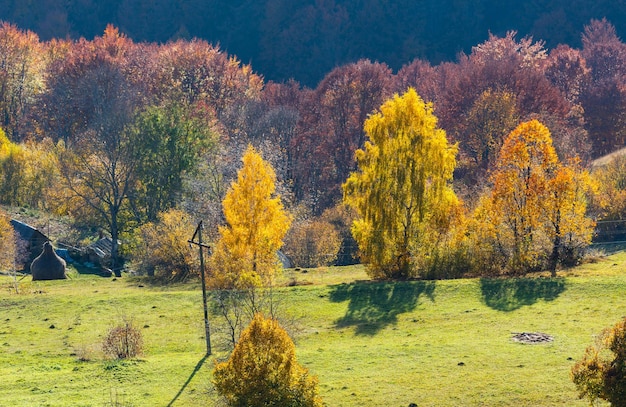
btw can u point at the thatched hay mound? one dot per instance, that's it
(48, 265)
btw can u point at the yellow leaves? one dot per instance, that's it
(263, 370)
(610, 180)
(568, 192)
(7, 243)
(163, 250)
(402, 189)
(5, 144)
(28, 172)
(256, 226)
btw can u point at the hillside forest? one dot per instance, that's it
(306, 39)
(139, 138)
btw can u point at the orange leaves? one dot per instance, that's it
(21, 76)
(537, 204)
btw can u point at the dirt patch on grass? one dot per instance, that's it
(532, 338)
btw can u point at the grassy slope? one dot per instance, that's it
(373, 344)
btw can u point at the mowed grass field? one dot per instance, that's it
(432, 343)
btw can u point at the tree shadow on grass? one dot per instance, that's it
(373, 306)
(182, 389)
(509, 294)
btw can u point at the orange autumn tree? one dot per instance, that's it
(536, 210)
(568, 227)
(263, 370)
(246, 254)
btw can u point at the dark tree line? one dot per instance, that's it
(305, 39)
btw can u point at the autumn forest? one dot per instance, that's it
(115, 133)
(295, 136)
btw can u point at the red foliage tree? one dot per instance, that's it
(603, 97)
(84, 87)
(331, 129)
(22, 65)
(196, 71)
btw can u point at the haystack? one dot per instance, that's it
(48, 265)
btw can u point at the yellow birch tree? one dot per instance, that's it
(401, 191)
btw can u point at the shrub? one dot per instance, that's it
(263, 371)
(123, 341)
(163, 251)
(7, 243)
(312, 244)
(341, 217)
(601, 374)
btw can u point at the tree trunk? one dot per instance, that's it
(115, 266)
(554, 257)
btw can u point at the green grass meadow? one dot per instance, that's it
(432, 343)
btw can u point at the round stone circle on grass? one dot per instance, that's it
(532, 337)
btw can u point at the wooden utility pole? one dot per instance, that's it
(198, 235)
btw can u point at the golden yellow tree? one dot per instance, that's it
(536, 210)
(12, 170)
(246, 252)
(402, 190)
(520, 185)
(28, 172)
(263, 370)
(567, 225)
(611, 180)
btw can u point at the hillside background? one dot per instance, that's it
(305, 39)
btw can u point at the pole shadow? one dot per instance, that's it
(509, 294)
(182, 389)
(374, 306)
